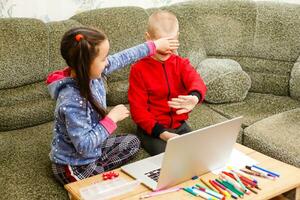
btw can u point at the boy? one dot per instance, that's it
(163, 88)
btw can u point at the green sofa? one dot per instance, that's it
(263, 37)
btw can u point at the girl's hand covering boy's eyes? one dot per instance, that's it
(184, 103)
(166, 45)
(118, 113)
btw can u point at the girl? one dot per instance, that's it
(82, 144)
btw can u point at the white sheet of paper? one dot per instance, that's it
(237, 160)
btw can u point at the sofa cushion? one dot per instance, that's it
(203, 116)
(24, 52)
(25, 167)
(225, 80)
(277, 31)
(256, 107)
(277, 136)
(224, 27)
(26, 114)
(22, 94)
(267, 76)
(295, 82)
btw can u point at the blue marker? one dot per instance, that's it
(269, 172)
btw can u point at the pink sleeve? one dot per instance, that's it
(108, 124)
(152, 47)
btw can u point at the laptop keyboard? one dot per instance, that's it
(154, 174)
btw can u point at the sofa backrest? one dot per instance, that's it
(29, 52)
(24, 64)
(264, 37)
(276, 47)
(24, 52)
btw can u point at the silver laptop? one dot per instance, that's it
(187, 155)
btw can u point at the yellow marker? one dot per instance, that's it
(208, 185)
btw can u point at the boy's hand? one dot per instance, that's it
(167, 135)
(166, 45)
(118, 113)
(184, 103)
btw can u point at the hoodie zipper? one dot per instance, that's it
(169, 93)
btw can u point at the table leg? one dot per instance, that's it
(297, 195)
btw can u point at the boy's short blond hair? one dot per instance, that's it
(162, 22)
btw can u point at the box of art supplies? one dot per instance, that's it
(108, 189)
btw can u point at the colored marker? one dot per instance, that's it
(248, 182)
(217, 188)
(203, 186)
(245, 190)
(222, 187)
(265, 174)
(208, 185)
(189, 190)
(252, 190)
(254, 173)
(232, 188)
(153, 194)
(229, 178)
(198, 193)
(210, 192)
(248, 176)
(244, 180)
(203, 194)
(267, 171)
(240, 173)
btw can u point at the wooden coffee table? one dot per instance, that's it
(289, 179)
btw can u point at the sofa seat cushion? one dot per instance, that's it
(26, 114)
(277, 136)
(25, 167)
(225, 80)
(203, 116)
(256, 107)
(19, 95)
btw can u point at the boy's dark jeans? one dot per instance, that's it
(156, 146)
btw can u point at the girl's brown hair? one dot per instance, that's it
(79, 49)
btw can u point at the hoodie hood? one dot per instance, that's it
(58, 80)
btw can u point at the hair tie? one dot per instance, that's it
(78, 37)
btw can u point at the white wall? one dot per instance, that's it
(53, 10)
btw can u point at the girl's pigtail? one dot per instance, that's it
(84, 62)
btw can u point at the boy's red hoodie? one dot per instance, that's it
(153, 83)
